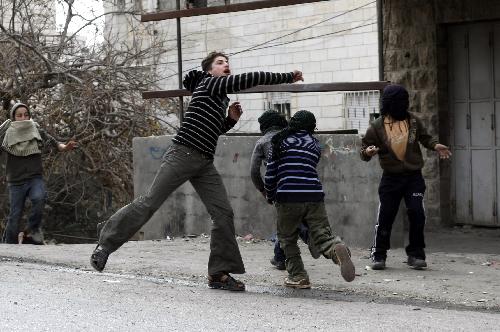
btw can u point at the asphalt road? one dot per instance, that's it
(38, 297)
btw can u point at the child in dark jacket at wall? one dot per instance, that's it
(395, 137)
(292, 183)
(23, 140)
(271, 123)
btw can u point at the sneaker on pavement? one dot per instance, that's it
(377, 264)
(280, 265)
(301, 283)
(99, 258)
(343, 258)
(416, 263)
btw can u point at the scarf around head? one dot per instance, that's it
(271, 119)
(21, 138)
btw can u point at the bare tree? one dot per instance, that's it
(88, 93)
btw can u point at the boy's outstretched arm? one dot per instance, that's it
(234, 83)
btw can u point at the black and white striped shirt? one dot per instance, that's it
(205, 119)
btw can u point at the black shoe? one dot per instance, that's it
(377, 264)
(416, 263)
(280, 265)
(99, 258)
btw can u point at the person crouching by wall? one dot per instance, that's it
(23, 140)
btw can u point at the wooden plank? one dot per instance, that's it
(238, 7)
(294, 88)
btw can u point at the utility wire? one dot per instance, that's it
(280, 44)
(258, 46)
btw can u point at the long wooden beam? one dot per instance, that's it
(294, 88)
(237, 7)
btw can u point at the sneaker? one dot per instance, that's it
(312, 248)
(343, 257)
(225, 282)
(280, 265)
(377, 264)
(99, 258)
(416, 263)
(302, 283)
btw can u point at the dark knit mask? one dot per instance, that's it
(270, 119)
(303, 120)
(395, 102)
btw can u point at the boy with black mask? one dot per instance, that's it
(395, 137)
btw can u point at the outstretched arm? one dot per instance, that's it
(234, 83)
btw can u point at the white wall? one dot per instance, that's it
(342, 57)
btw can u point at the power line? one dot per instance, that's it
(281, 44)
(257, 46)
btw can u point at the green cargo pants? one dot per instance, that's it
(180, 164)
(290, 216)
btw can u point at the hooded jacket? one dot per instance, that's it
(205, 119)
(413, 161)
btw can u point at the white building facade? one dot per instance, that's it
(330, 41)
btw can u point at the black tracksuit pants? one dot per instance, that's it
(393, 188)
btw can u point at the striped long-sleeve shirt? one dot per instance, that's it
(205, 118)
(293, 177)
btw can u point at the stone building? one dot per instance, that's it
(447, 53)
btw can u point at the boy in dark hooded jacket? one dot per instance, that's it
(395, 137)
(190, 158)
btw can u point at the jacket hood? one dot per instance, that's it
(193, 78)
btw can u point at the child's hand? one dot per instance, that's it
(443, 151)
(371, 150)
(297, 76)
(235, 111)
(68, 146)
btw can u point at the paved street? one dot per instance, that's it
(49, 298)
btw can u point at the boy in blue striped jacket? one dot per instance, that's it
(292, 184)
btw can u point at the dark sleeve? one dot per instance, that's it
(256, 161)
(271, 178)
(424, 137)
(228, 124)
(234, 83)
(369, 139)
(47, 138)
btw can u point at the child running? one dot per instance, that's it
(292, 184)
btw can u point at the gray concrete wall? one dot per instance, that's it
(350, 186)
